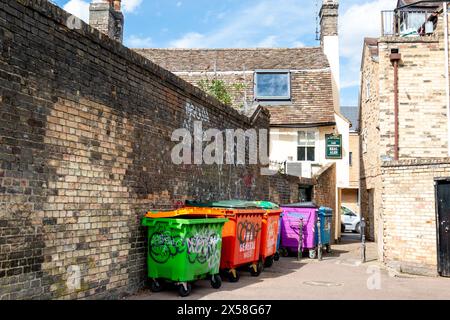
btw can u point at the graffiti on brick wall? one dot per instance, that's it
(194, 113)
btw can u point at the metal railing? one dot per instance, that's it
(407, 22)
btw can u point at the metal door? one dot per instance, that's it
(443, 226)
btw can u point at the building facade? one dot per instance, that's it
(299, 87)
(404, 136)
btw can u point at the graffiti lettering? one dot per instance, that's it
(193, 113)
(247, 232)
(271, 234)
(162, 246)
(204, 247)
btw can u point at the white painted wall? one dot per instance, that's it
(331, 50)
(284, 143)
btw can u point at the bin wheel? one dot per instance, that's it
(259, 269)
(216, 281)
(276, 257)
(156, 286)
(233, 276)
(269, 262)
(312, 253)
(184, 292)
(284, 252)
(328, 248)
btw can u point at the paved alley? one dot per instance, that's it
(339, 276)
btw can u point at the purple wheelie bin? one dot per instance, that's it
(290, 227)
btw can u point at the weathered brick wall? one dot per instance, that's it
(284, 189)
(85, 131)
(409, 216)
(370, 181)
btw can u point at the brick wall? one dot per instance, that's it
(370, 183)
(284, 189)
(85, 131)
(422, 96)
(409, 216)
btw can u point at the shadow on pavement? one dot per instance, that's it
(202, 288)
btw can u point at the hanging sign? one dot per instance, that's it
(333, 146)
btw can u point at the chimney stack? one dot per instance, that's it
(329, 14)
(106, 16)
(329, 40)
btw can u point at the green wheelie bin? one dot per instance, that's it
(183, 251)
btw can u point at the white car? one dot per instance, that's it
(350, 221)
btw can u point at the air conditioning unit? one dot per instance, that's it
(294, 169)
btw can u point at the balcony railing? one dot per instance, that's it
(407, 23)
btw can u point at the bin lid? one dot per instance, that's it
(300, 205)
(325, 211)
(267, 205)
(233, 204)
(175, 222)
(187, 212)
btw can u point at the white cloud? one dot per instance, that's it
(250, 25)
(130, 6)
(356, 23)
(135, 41)
(270, 41)
(298, 44)
(78, 8)
(189, 40)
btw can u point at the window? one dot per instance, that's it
(306, 150)
(350, 159)
(305, 193)
(347, 212)
(272, 85)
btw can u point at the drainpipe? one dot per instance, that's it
(447, 76)
(395, 57)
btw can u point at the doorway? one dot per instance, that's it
(443, 226)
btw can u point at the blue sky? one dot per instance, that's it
(247, 23)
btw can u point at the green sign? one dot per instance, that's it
(333, 146)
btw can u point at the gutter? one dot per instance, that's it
(395, 57)
(302, 125)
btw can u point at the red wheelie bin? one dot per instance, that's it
(241, 236)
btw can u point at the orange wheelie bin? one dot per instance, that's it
(241, 236)
(269, 231)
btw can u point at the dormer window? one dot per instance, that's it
(272, 85)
